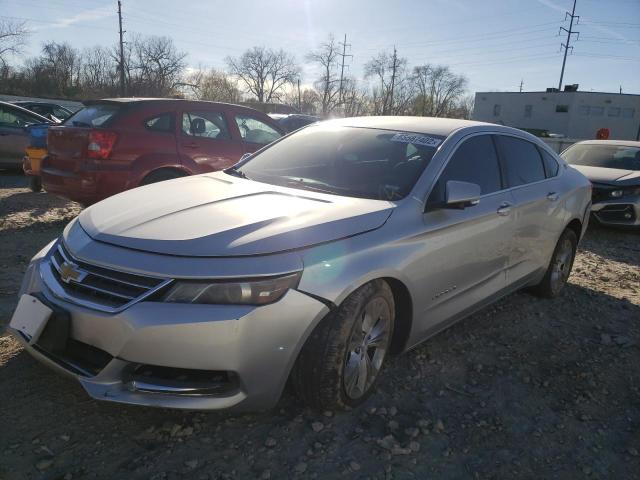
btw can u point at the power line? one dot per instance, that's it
(567, 45)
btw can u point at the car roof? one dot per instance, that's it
(151, 100)
(620, 143)
(432, 125)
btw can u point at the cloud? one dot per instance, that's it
(86, 16)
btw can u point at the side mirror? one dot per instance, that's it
(461, 194)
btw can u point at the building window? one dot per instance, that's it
(528, 110)
(562, 108)
(597, 111)
(583, 110)
(628, 112)
(496, 110)
(614, 111)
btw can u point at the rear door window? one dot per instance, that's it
(522, 161)
(205, 124)
(256, 131)
(15, 118)
(93, 115)
(475, 161)
(161, 123)
(551, 165)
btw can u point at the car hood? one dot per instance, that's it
(607, 175)
(216, 215)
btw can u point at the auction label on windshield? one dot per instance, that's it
(416, 139)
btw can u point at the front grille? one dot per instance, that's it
(78, 357)
(617, 214)
(100, 287)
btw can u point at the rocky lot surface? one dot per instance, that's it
(527, 388)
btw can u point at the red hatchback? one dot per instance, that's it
(117, 144)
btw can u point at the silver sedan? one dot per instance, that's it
(311, 260)
(613, 167)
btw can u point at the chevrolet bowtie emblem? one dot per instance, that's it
(70, 272)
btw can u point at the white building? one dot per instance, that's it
(576, 115)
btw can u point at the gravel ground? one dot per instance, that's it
(527, 388)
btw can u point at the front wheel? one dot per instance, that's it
(339, 364)
(560, 267)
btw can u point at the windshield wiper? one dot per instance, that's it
(236, 173)
(307, 186)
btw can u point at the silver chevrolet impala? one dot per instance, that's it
(311, 260)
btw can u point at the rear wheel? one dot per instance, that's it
(35, 183)
(340, 363)
(560, 267)
(161, 176)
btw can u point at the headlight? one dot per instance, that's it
(233, 292)
(625, 192)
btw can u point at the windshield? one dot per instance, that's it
(609, 156)
(350, 161)
(93, 115)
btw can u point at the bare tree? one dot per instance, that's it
(390, 89)
(155, 67)
(439, 88)
(329, 82)
(213, 85)
(355, 101)
(264, 72)
(99, 75)
(13, 36)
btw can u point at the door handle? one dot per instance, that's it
(552, 196)
(504, 209)
(190, 145)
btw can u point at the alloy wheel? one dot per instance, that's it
(367, 347)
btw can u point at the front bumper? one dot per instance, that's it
(253, 347)
(622, 212)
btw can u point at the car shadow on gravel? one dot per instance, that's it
(524, 388)
(621, 245)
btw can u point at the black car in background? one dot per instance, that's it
(293, 121)
(52, 111)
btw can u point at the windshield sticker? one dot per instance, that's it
(416, 139)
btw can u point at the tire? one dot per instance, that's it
(35, 183)
(560, 266)
(162, 175)
(326, 374)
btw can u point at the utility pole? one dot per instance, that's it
(122, 90)
(521, 84)
(343, 55)
(394, 69)
(299, 103)
(567, 45)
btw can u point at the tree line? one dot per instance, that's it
(154, 67)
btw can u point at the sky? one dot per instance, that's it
(496, 44)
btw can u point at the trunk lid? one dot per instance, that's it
(67, 143)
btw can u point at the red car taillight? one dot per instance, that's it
(100, 144)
